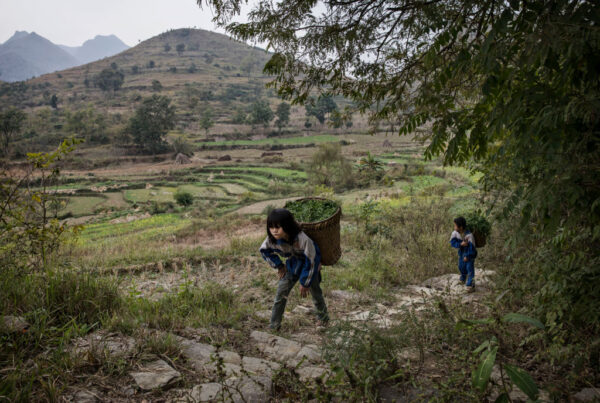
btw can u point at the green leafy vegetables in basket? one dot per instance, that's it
(312, 210)
(476, 222)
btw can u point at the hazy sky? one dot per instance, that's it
(71, 22)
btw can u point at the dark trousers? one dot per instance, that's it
(283, 291)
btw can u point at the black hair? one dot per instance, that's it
(282, 218)
(461, 222)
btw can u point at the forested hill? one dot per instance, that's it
(174, 63)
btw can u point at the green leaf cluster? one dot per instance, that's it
(312, 210)
(476, 221)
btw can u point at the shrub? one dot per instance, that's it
(184, 198)
(182, 146)
(329, 167)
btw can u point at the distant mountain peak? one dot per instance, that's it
(17, 35)
(27, 54)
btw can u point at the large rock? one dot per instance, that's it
(85, 396)
(155, 375)
(204, 356)
(308, 373)
(258, 366)
(206, 392)
(278, 348)
(13, 324)
(301, 310)
(197, 353)
(266, 315)
(309, 353)
(369, 316)
(342, 294)
(248, 389)
(450, 283)
(104, 342)
(587, 395)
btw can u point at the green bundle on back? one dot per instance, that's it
(312, 210)
(478, 224)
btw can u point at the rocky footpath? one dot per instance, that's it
(221, 374)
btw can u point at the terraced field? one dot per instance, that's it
(316, 139)
(230, 185)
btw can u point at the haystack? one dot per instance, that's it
(182, 159)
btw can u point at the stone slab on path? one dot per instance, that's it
(154, 375)
(587, 395)
(249, 389)
(204, 357)
(450, 283)
(308, 373)
(104, 342)
(275, 347)
(237, 389)
(206, 392)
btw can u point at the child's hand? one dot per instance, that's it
(303, 291)
(465, 259)
(281, 272)
(464, 243)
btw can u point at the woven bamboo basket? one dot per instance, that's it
(326, 234)
(480, 239)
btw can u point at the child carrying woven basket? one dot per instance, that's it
(286, 239)
(464, 241)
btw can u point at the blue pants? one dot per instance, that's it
(467, 270)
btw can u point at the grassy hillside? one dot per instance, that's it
(197, 69)
(217, 60)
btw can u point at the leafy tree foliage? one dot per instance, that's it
(180, 48)
(88, 124)
(260, 113)
(151, 122)
(283, 115)
(206, 119)
(156, 86)
(109, 80)
(320, 108)
(54, 101)
(239, 117)
(512, 87)
(29, 231)
(11, 122)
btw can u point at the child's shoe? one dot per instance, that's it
(471, 288)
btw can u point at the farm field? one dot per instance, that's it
(139, 221)
(316, 139)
